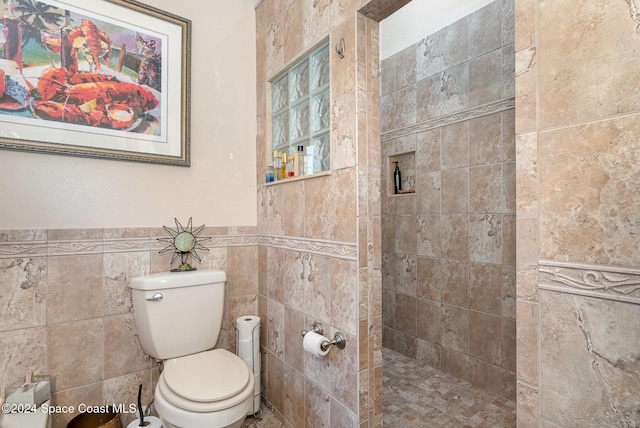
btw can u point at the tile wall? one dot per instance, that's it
(578, 216)
(303, 277)
(449, 248)
(66, 310)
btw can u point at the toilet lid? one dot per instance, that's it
(208, 376)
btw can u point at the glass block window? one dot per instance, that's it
(301, 105)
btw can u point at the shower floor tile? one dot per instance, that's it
(416, 396)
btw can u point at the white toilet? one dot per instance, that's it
(178, 317)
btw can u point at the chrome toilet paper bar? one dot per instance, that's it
(338, 339)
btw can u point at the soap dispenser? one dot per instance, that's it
(397, 180)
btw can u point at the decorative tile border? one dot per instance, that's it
(341, 250)
(10, 250)
(459, 116)
(601, 281)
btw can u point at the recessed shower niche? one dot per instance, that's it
(406, 163)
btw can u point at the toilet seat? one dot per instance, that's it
(206, 382)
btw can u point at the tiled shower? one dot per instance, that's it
(447, 118)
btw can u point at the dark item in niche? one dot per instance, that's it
(397, 180)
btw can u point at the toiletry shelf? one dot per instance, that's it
(406, 162)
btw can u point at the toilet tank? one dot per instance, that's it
(178, 313)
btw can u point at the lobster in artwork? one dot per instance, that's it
(91, 98)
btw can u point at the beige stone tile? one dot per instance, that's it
(317, 205)
(430, 278)
(454, 146)
(509, 344)
(485, 76)
(509, 240)
(123, 352)
(293, 208)
(527, 255)
(528, 405)
(526, 90)
(428, 353)
(485, 337)
(344, 209)
(294, 396)
(75, 352)
(293, 327)
(23, 293)
(406, 275)
(428, 151)
(119, 269)
(344, 309)
(127, 232)
(275, 382)
(526, 23)
(509, 135)
(456, 189)
(508, 309)
(344, 373)
(317, 406)
(21, 235)
(74, 287)
(343, 132)
(429, 243)
(317, 287)
(406, 234)
(485, 238)
(22, 349)
(455, 329)
(443, 93)
(342, 416)
(276, 284)
(428, 189)
(589, 344)
(485, 189)
(485, 140)
(578, 85)
(443, 49)
(455, 234)
(274, 46)
(527, 174)
(485, 31)
(293, 28)
(485, 288)
(527, 342)
(242, 277)
(276, 322)
(428, 323)
(591, 217)
(486, 376)
(73, 234)
(406, 314)
(455, 283)
(455, 363)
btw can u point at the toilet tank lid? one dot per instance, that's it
(164, 280)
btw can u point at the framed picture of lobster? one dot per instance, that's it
(97, 78)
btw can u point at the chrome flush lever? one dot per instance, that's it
(156, 297)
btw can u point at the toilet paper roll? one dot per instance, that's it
(248, 343)
(312, 343)
(149, 422)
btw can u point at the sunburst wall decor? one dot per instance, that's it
(184, 241)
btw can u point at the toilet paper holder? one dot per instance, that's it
(338, 339)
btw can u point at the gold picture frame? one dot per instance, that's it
(106, 79)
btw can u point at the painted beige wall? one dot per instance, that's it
(44, 191)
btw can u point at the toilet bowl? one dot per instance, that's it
(209, 389)
(178, 319)
(38, 419)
